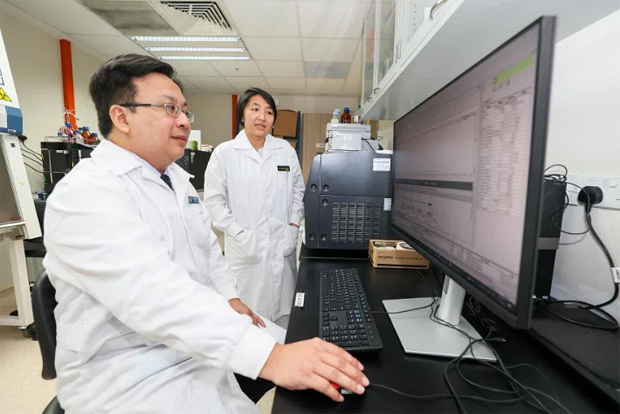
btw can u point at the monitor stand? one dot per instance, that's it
(419, 334)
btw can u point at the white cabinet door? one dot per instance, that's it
(369, 55)
(386, 29)
(411, 17)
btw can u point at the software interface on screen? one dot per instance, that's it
(461, 168)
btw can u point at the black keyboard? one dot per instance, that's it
(345, 319)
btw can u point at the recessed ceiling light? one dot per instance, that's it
(204, 57)
(185, 38)
(194, 49)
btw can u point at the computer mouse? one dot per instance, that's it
(342, 391)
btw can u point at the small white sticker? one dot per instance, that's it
(3, 118)
(321, 145)
(615, 274)
(387, 204)
(381, 164)
(300, 298)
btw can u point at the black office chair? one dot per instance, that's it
(43, 304)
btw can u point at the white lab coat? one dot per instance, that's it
(261, 196)
(143, 321)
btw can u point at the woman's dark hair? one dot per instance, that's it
(245, 98)
(112, 83)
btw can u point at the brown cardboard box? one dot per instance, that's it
(381, 255)
(292, 141)
(286, 124)
(374, 127)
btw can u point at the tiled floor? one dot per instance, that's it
(23, 391)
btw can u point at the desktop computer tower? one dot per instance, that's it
(553, 204)
(348, 200)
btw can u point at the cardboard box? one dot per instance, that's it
(286, 124)
(374, 127)
(292, 141)
(384, 253)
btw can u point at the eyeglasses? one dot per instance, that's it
(171, 109)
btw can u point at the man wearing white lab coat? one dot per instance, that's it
(148, 319)
(254, 193)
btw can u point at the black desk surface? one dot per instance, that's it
(421, 375)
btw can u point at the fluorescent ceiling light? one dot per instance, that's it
(204, 57)
(186, 38)
(194, 49)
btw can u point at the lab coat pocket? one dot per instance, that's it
(290, 240)
(242, 248)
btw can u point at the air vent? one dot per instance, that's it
(205, 10)
(355, 222)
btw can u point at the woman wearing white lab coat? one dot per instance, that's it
(253, 192)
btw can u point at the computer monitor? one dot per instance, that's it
(468, 176)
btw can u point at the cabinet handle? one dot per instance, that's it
(435, 6)
(376, 90)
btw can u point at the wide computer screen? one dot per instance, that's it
(468, 171)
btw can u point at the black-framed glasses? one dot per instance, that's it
(171, 109)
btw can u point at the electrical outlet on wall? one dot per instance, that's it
(611, 190)
(609, 185)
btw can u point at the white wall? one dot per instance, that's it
(584, 135)
(34, 57)
(213, 116)
(316, 104)
(214, 112)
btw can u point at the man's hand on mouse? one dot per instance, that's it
(315, 364)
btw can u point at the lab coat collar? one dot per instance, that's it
(120, 161)
(242, 142)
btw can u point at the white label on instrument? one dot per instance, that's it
(381, 164)
(387, 204)
(300, 298)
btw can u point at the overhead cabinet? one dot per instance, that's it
(412, 48)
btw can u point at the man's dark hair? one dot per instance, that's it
(112, 83)
(245, 98)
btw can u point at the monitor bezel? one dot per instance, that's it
(521, 317)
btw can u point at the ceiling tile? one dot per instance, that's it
(188, 86)
(354, 79)
(241, 84)
(326, 50)
(110, 46)
(298, 84)
(265, 18)
(324, 85)
(273, 48)
(194, 68)
(68, 16)
(331, 70)
(281, 69)
(332, 20)
(236, 68)
(210, 84)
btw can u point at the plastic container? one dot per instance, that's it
(335, 117)
(86, 135)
